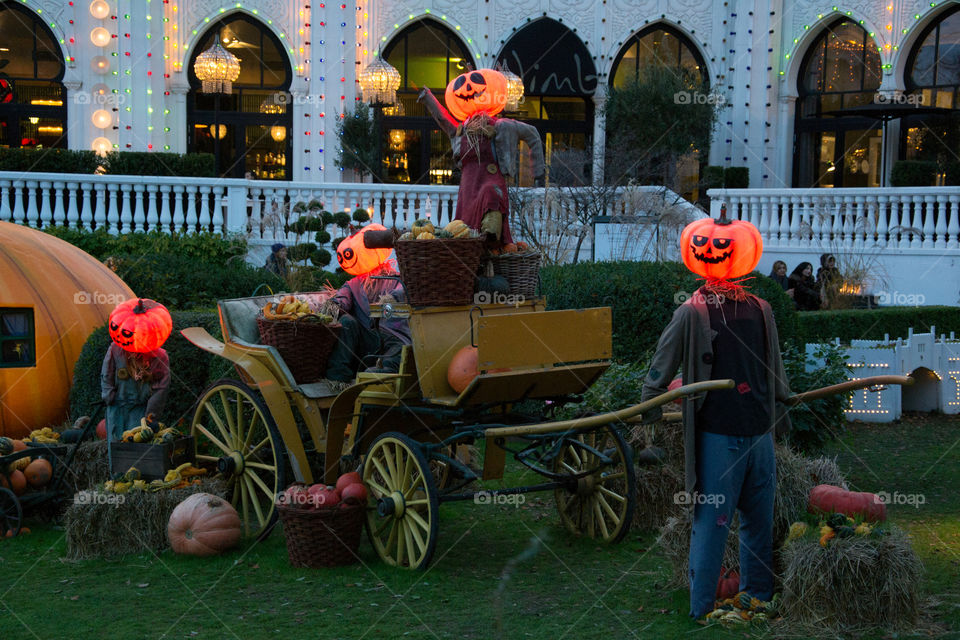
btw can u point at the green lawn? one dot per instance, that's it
(499, 572)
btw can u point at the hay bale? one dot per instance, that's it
(853, 584)
(674, 541)
(90, 466)
(107, 525)
(656, 487)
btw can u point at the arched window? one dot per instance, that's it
(427, 54)
(33, 110)
(657, 44)
(933, 76)
(841, 70)
(248, 130)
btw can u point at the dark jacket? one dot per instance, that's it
(783, 281)
(806, 293)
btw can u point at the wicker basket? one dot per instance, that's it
(304, 345)
(325, 537)
(439, 272)
(522, 271)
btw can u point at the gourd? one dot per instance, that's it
(458, 228)
(38, 473)
(728, 585)
(18, 482)
(420, 226)
(443, 234)
(203, 525)
(493, 284)
(6, 446)
(426, 235)
(463, 368)
(826, 498)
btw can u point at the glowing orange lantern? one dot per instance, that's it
(721, 249)
(473, 92)
(355, 258)
(140, 325)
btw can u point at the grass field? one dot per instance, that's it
(499, 572)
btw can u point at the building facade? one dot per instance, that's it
(790, 76)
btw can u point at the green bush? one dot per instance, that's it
(712, 177)
(643, 296)
(913, 173)
(871, 324)
(182, 282)
(48, 160)
(101, 244)
(815, 423)
(142, 163)
(736, 177)
(191, 369)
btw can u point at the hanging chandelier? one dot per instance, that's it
(217, 69)
(379, 82)
(514, 88)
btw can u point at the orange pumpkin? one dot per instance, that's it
(355, 258)
(19, 445)
(728, 585)
(463, 368)
(721, 249)
(38, 473)
(473, 92)
(203, 525)
(18, 482)
(67, 294)
(825, 498)
(140, 325)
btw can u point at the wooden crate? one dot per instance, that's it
(152, 460)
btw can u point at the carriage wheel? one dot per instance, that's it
(402, 509)
(11, 514)
(601, 504)
(236, 436)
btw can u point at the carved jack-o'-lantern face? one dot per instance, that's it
(473, 92)
(140, 325)
(721, 249)
(355, 258)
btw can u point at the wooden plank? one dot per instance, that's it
(545, 338)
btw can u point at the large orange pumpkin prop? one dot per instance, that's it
(721, 249)
(203, 525)
(140, 325)
(473, 92)
(60, 295)
(355, 258)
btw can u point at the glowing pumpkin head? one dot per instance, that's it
(140, 325)
(355, 258)
(721, 249)
(473, 92)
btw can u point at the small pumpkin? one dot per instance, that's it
(443, 234)
(825, 498)
(721, 249)
(463, 368)
(347, 479)
(19, 445)
(102, 429)
(420, 226)
(728, 585)
(509, 248)
(493, 284)
(408, 236)
(140, 325)
(38, 473)
(6, 446)
(458, 228)
(523, 246)
(18, 482)
(473, 92)
(426, 235)
(203, 525)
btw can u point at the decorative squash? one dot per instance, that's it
(408, 236)
(102, 429)
(473, 92)
(203, 525)
(825, 498)
(458, 228)
(420, 226)
(721, 249)
(463, 368)
(493, 284)
(443, 234)
(19, 464)
(523, 246)
(509, 248)
(19, 445)
(6, 446)
(728, 585)
(18, 482)
(38, 473)
(140, 325)
(356, 258)
(426, 235)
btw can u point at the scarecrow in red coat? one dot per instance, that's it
(484, 147)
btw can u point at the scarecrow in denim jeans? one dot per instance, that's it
(724, 332)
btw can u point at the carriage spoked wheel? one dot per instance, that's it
(403, 507)
(11, 514)
(236, 436)
(600, 504)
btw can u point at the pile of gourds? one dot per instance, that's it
(43, 436)
(26, 472)
(742, 609)
(145, 433)
(423, 229)
(174, 479)
(289, 307)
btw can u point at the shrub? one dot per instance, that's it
(815, 423)
(48, 160)
(871, 324)
(913, 173)
(142, 163)
(191, 369)
(186, 283)
(643, 296)
(101, 244)
(712, 177)
(736, 177)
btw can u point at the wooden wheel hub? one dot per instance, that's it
(586, 486)
(392, 505)
(232, 463)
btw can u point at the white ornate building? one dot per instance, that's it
(115, 74)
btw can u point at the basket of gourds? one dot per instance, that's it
(304, 337)
(520, 265)
(438, 267)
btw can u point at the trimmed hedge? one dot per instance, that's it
(913, 173)
(101, 244)
(871, 324)
(143, 163)
(48, 160)
(191, 368)
(643, 296)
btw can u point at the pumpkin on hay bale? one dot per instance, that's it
(852, 584)
(108, 525)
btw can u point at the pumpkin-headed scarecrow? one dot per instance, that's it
(484, 147)
(720, 332)
(135, 376)
(375, 278)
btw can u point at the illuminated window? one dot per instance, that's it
(659, 45)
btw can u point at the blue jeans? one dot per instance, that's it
(733, 472)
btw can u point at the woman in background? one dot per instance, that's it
(806, 294)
